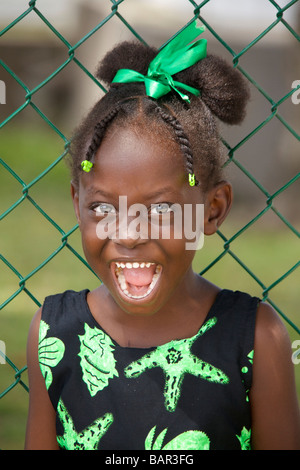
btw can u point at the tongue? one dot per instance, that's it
(139, 276)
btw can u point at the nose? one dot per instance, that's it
(128, 242)
(131, 233)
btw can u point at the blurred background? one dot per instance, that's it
(49, 50)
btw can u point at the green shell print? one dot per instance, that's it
(176, 360)
(189, 440)
(97, 359)
(89, 438)
(50, 351)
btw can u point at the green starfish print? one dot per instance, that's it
(176, 359)
(89, 438)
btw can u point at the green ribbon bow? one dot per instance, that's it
(179, 54)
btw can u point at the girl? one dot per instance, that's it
(157, 357)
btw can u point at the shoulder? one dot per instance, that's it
(55, 312)
(65, 299)
(272, 350)
(270, 331)
(272, 346)
(33, 334)
(65, 310)
(273, 396)
(40, 430)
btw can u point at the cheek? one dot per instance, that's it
(184, 235)
(178, 257)
(91, 244)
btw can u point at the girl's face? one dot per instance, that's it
(140, 271)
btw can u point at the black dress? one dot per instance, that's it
(188, 394)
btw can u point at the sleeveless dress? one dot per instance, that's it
(187, 394)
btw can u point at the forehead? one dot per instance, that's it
(137, 153)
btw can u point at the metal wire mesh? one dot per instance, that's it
(27, 191)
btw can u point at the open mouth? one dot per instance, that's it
(137, 279)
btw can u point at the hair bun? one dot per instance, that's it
(223, 88)
(126, 55)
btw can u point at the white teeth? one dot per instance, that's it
(120, 265)
(133, 265)
(122, 281)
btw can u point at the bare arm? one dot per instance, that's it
(275, 409)
(40, 432)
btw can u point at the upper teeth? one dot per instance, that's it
(133, 265)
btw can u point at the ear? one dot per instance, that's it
(75, 199)
(218, 202)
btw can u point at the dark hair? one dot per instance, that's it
(224, 95)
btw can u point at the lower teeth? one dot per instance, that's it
(123, 284)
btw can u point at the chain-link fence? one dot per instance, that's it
(46, 83)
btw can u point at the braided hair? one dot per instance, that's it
(193, 125)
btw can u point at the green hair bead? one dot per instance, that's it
(86, 165)
(192, 181)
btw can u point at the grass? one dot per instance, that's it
(28, 238)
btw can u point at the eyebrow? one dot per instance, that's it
(162, 192)
(92, 191)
